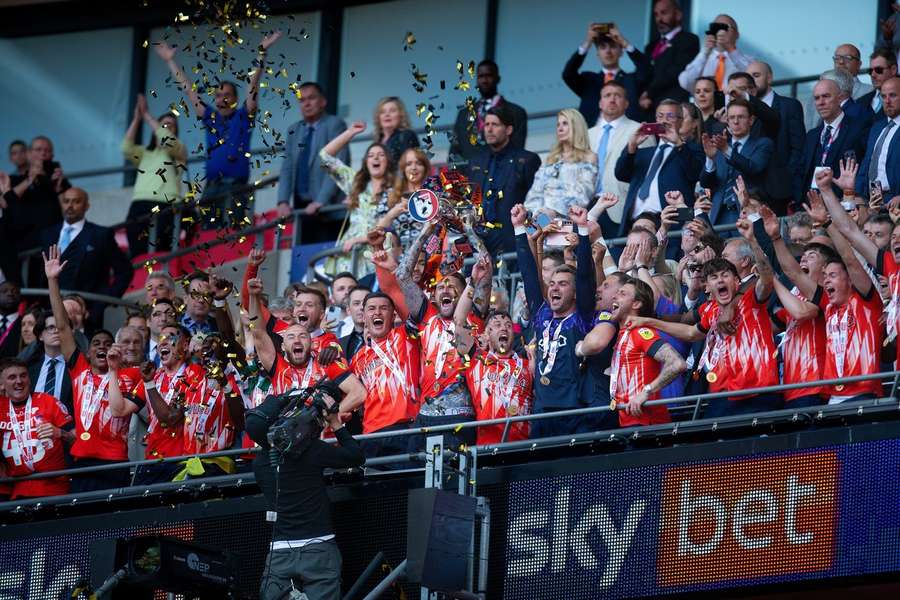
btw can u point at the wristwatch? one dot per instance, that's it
(647, 389)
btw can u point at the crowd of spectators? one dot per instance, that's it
(784, 269)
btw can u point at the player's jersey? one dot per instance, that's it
(163, 440)
(500, 386)
(286, 377)
(208, 424)
(745, 359)
(854, 339)
(389, 370)
(24, 453)
(803, 348)
(887, 266)
(443, 391)
(557, 374)
(634, 367)
(99, 434)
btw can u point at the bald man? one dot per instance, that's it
(94, 261)
(848, 58)
(719, 57)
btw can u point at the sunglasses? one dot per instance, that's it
(879, 70)
(843, 57)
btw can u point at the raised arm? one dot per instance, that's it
(252, 101)
(128, 144)
(118, 406)
(343, 138)
(766, 276)
(800, 310)
(354, 393)
(167, 53)
(842, 221)
(531, 278)
(585, 277)
(52, 269)
(413, 295)
(788, 263)
(683, 331)
(481, 271)
(598, 339)
(482, 299)
(816, 209)
(265, 347)
(168, 414)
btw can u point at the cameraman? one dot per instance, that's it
(304, 554)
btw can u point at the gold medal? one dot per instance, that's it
(512, 410)
(187, 419)
(711, 377)
(85, 436)
(437, 386)
(545, 380)
(839, 388)
(613, 405)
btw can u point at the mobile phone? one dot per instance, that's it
(602, 28)
(715, 28)
(653, 128)
(685, 214)
(558, 239)
(875, 189)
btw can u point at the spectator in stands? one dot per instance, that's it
(132, 343)
(9, 261)
(354, 340)
(159, 285)
(882, 158)
(845, 83)
(198, 305)
(367, 191)
(10, 319)
(742, 85)
(672, 165)
(608, 138)
(788, 148)
(719, 56)
(706, 91)
(46, 366)
(161, 166)
(162, 313)
(828, 143)
(890, 32)
(671, 49)
(739, 154)
(505, 174)
(569, 175)
(77, 311)
(847, 58)
(414, 168)
(587, 85)
(468, 138)
(392, 127)
(882, 66)
(93, 261)
(104, 394)
(228, 131)
(36, 430)
(139, 321)
(799, 228)
(34, 203)
(18, 157)
(29, 318)
(692, 124)
(336, 316)
(303, 183)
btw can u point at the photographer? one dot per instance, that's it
(304, 554)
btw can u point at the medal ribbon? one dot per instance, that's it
(551, 346)
(614, 368)
(22, 433)
(506, 384)
(837, 331)
(91, 398)
(445, 343)
(198, 426)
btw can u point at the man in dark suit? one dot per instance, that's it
(94, 262)
(470, 121)
(46, 366)
(10, 319)
(505, 174)
(670, 51)
(9, 262)
(882, 66)
(303, 182)
(353, 341)
(672, 165)
(827, 144)
(727, 157)
(788, 147)
(851, 108)
(882, 162)
(587, 84)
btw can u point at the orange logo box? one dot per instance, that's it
(748, 518)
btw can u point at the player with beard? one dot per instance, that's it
(499, 380)
(34, 429)
(745, 358)
(388, 366)
(804, 343)
(295, 367)
(560, 320)
(105, 394)
(444, 397)
(643, 363)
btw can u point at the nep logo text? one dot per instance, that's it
(748, 518)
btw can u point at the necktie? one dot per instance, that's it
(601, 155)
(720, 71)
(876, 153)
(4, 323)
(608, 76)
(826, 143)
(303, 163)
(876, 103)
(50, 381)
(730, 198)
(659, 48)
(66, 238)
(655, 164)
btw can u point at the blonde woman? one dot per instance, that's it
(367, 191)
(392, 127)
(414, 168)
(569, 175)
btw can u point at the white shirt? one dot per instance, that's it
(835, 125)
(151, 351)
(10, 319)
(654, 201)
(769, 98)
(60, 373)
(706, 63)
(76, 229)
(344, 327)
(882, 159)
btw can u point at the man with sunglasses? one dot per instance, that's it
(882, 66)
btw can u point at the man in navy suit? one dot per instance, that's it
(882, 66)
(669, 166)
(851, 107)
(94, 262)
(882, 162)
(588, 84)
(788, 149)
(670, 51)
(10, 319)
(742, 155)
(825, 145)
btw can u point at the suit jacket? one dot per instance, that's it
(680, 171)
(587, 85)
(786, 153)
(35, 363)
(351, 343)
(893, 161)
(322, 188)
(94, 262)
(618, 141)
(866, 100)
(751, 162)
(10, 344)
(513, 175)
(669, 65)
(858, 110)
(9, 262)
(851, 137)
(461, 148)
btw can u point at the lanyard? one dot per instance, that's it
(22, 433)
(892, 310)
(551, 346)
(91, 397)
(506, 383)
(197, 427)
(445, 343)
(303, 383)
(614, 368)
(827, 145)
(838, 334)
